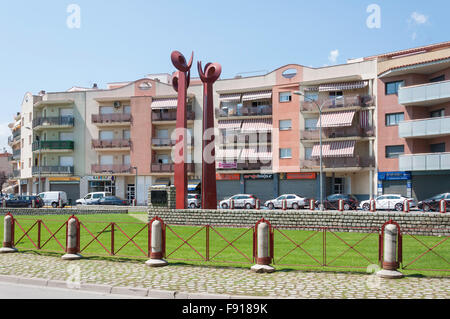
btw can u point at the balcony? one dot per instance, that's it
(246, 139)
(425, 94)
(246, 166)
(111, 144)
(167, 142)
(425, 128)
(53, 146)
(15, 174)
(340, 162)
(337, 132)
(113, 119)
(170, 116)
(16, 155)
(170, 168)
(424, 162)
(261, 110)
(336, 104)
(53, 170)
(53, 122)
(111, 169)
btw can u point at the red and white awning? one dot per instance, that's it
(230, 125)
(256, 125)
(260, 95)
(233, 97)
(164, 104)
(337, 119)
(228, 153)
(255, 154)
(335, 149)
(343, 86)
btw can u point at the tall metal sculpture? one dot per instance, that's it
(180, 83)
(208, 76)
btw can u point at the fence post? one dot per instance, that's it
(157, 244)
(8, 235)
(284, 204)
(442, 206)
(391, 239)
(258, 204)
(312, 204)
(406, 206)
(263, 248)
(231, 203)
(341, 205)
(72, 240)
(373, 205)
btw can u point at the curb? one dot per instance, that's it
(116, 290)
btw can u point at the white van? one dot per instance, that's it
(52, 198)
(92, 198)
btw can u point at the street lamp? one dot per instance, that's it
(320, 142)
(39, 160)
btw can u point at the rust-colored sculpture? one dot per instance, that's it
(180, 83)
(208, 76)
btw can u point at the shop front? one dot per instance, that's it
(395, 183)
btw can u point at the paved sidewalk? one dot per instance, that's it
(180, 281)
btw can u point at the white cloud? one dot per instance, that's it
(333, 56)
(419, 18)
(414, 36)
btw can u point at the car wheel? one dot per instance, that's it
(30, 206)
(346, 206)
(192, 205)
(366, 207)
(225, 206)
(426, 208)
(54, 205)
(271, 206)
(399, 207)
(248, 206)
(295, 206)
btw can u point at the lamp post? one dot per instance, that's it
(135, 183)
(319, 107)
(38, 140)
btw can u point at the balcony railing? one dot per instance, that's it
(16, 154)
(115, 118)
(425, 127)
(338, 132)
(170, 168)
(340, 162)
(338, 102)
(424, 162)
(244, 165)
(53, 145)
(53, 170)
(169, 142)
(425, 94)
(170, 116)
(111, 169)
(54, 121)
(16, 173)
(245, 111)
(107, 144)
(247, 139)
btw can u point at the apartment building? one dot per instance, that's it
(414, 121)
(14, 141)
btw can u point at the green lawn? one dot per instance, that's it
(288, 255)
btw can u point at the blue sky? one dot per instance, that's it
(125, 40)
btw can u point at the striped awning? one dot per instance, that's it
(256, 125)
(228, 153)
(335, 149)
(230, 125)
(337, 119)
(311, 89)
(342, 86)
(260, 95)
(164, 104)
(161, 182)
(233, 97)
(254, 153)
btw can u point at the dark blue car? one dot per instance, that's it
(111, 200)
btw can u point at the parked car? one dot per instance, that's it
(240, 201)
(292, 201)
(52, 198)
(432, 204)
(194, 200)
(110, 200)
(23, 201)
(332, 201)
(389, 202)
(91, 198)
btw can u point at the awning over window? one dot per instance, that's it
(230, 125)
(164, 104)
(260, 95)
(162, 182)
(335, 149)
(229, 153)
(337, 119)
(194, 185)
(256, 125)
(342, 86)
(233, 97)
(253, 153)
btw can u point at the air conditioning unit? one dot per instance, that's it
(117, 104)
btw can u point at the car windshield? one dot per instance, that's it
(440, 196)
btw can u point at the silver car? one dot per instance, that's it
(292, 201)
(194, 200)
(240, 201)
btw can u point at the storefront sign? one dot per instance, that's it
(300, 176)
(228, 177)
(100, 178)
(258, 176)
(64, 179)
(394, 176)
(227, 165)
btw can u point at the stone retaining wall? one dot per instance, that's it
(63, 211)
(419, 223)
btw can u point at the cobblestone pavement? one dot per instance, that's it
(215, 280)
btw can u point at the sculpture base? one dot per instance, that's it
(71, 257)
(262, 269)
(156, 263)
(7, 250)
(389, 274)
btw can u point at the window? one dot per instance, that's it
(311, 96)
(106, 135)
(285, 97)
(394, 151)
(437, 148)
(285, 153)
(437, 113)
(394, 118)
(311, 124)
(393, 87)
(285, 125)
(126, 134)
(438, 78)
(308, 153)
(65, 161)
